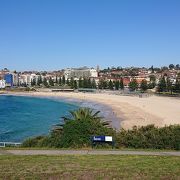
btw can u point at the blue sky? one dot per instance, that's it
(55, 34)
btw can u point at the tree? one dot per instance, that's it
(67, 82)
(51, 82)
(105, 84)
(144, 85)
(71, 83)
(33, 82)
(151, 85)
(121, 84)
(177, 86)
(169, 85)
(56, 81)
(152, 69)
(80, 83)
(177, 66)
(110, 85)
(117, 84)
(102, 84)
(152, 78)
(93, 83)
(63, 80)
(161, 85)
(85, 83)
(75, 84)
(171, 66)
(164, 68)
(89, 84)
(60, 81)
(77, 128)
(39, 80)
(133, 85)
(45, 83)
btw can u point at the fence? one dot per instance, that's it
(4, 144)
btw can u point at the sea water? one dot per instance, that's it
(23, 117)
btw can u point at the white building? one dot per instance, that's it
(80, 73)
(27, 78)
(15, 79)
(2, 84)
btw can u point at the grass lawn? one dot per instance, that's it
(89, 167)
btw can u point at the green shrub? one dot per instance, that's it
(77, 133)
(150, 137)
(32, 142)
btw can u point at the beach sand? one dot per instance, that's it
(132, 111)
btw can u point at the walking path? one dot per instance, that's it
(88, 152)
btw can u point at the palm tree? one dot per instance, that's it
(81, 114)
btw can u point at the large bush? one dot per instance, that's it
(150, 137)
(76, 132)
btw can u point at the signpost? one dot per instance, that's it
(102, 139)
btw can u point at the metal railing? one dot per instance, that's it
(5, 144)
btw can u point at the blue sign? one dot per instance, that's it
(102, 139)
(98, 138)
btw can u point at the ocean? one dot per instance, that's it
(23, 117)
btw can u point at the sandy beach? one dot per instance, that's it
(133, 111)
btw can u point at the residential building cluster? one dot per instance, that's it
(127, 75)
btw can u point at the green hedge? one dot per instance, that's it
(167, 137)
(74, 136)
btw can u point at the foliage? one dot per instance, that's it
(151, 85)
(63, 80)
(33, 82)
(51, 82)
(45, 83)
(72, 83)
(117, 85)
(165, 85)
(169, 85)
(93, 83)
(60, 81)
(162, 85)
(133, 85)
(33, 142)
(177, 86)
(75, 132)
(152, 78)
(110, 85)
(150, 137)
(39, 81)
(144, 85)
(79, 127)
(103, 84)
(75, 84)
(177, 66)
(121, 84)
(171, 66)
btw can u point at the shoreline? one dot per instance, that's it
(106, 112)
(130, 111)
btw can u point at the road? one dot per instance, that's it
(88, 152)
